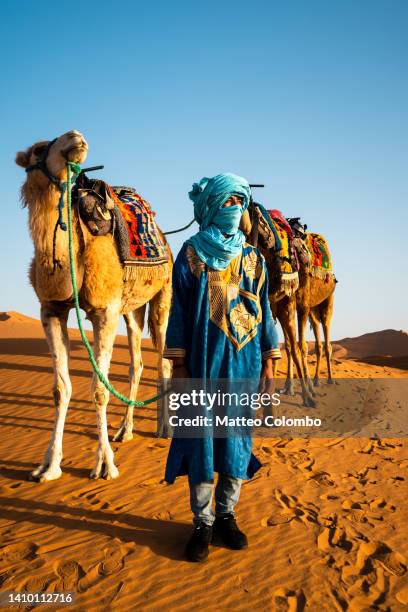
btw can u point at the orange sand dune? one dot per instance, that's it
(388, 342)
(326, 519)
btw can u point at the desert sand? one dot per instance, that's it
(326, 518)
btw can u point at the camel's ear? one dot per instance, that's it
(22, 159)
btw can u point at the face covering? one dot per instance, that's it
(228, 219)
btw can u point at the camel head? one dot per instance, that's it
(51, 157)
(245, 223)
(300, 241)
(256, 229)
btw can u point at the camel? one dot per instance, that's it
(314, 301)
(104, 294)
(283, 303)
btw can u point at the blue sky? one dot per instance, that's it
(308, 97)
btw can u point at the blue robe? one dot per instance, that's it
(221, 323)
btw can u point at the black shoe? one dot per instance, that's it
(226, 529)
(197, 546)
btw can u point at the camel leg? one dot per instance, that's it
(134, 326)
(104, 321)
(159, 311)
(158, 318)
(286, 316)
(288, 388)
(315, 322)
(302, 320)
(326, 312)
(54, 321)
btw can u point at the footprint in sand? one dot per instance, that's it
(113, 562)
(321, 479)
(331, 537)
(302, 512)
(299, 460)
(14, 553)
(357, 512)
(15, 572)
(286, 600)
(69, 572)
(39, 584)
(91, 577)
(280, 516)
(391, 561)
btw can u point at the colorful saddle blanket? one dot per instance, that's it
(320, 254)
(278, 217)
(289, 265)
(138, 238)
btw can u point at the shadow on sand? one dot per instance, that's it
(164, 538)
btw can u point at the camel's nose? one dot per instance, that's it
(78, 137)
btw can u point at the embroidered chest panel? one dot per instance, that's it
(233, 309)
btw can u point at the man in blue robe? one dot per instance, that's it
(220, 327)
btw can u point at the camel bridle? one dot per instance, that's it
(42, 165)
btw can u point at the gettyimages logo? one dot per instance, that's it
(209, 401)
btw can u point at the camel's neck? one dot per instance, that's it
(304, 270)
(43, 215)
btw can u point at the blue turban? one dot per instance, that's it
(219, 239)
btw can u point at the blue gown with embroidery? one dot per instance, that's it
(221, 323)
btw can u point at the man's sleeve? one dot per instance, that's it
(178, 336)
(269, 335)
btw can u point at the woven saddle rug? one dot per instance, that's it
(321, 265)
(141, 247)
(289, 264)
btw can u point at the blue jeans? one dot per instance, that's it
(226, 496)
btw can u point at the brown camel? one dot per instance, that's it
(282, 300)
(314, 301)
(103, 292)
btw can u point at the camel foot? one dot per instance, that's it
(331, 381)
(163, 432)
(105, 471)
(288, 389)
(316, 382)
(124, 434)
(308, 401)
(44, 473)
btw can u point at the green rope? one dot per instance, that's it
(75, 171)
